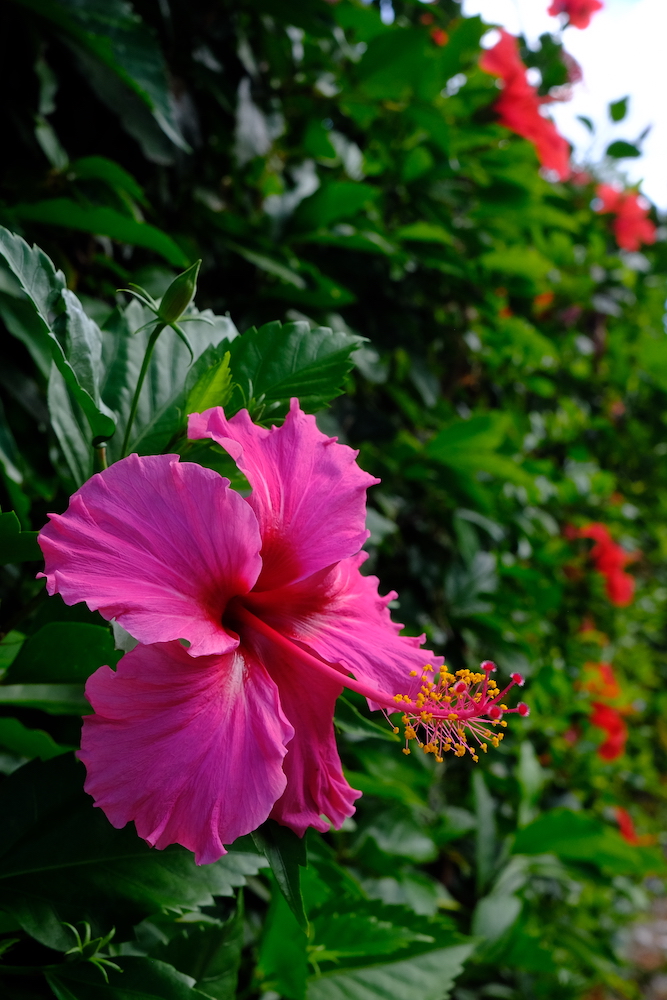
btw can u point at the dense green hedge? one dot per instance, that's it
(499, 363)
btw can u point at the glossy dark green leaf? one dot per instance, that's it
(114, 35)
(103, 221)
(28, 743)
(274, 363)
(16, 545)
(140, 979)
(102, 169)
(209, 951)
(431, 976)
(59, 315)
(286, 853)
(63, 652)
(60, 859)
(56, 699)
(575, 836)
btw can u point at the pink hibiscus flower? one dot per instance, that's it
(200, 745)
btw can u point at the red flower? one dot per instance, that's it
(439, 36)
(602, 681)
(625, 826)
(610, 720)
(578, 11)
(610, 560)
(518, 106)
(631, 225)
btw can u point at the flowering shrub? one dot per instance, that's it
(518, 106)
(308, 202)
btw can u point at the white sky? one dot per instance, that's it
(623, 51)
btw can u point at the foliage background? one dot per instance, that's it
(336, 172)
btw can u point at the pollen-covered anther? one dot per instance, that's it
(454, 712)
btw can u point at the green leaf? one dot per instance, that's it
(344, 931)
(101, 169)
(587, 122)
(210, 952)
(486, 837)
(79, 361)
(578, 836)
(71, 428)
(286, 853)
(620, 149)
(350, 720)
(56, 699)
(333, 202)
(282, 963)
(425, 232)
(618, 109)
(115, 36)
(140, 979)
(274, 363)
(102, 221)
(60, 859)
(16, 545)
(429, 976)
(63, 652)
(213, 388)
(28, 743)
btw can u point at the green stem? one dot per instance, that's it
(152, 340)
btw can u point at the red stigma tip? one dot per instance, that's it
(495, 712)
(518, 679)
(522, 709)
(488, 666)
(460, 687)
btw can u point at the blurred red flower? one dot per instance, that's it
(601, 680)
(610, 560)
(518, 106)
(439, 36)
(631, 225)
(610, 720)
(578, 11)
(626, 828)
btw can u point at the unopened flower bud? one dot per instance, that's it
(179, 295)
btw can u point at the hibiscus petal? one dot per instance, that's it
(158, 544)
(191, 750)
(316, 786)
(339, 614)
(308, 492)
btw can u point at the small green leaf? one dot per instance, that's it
(213, 388)
(618, 109)
(286, 853)
(16, 545)
(100, 168)
(587, 122)
(620, 149)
